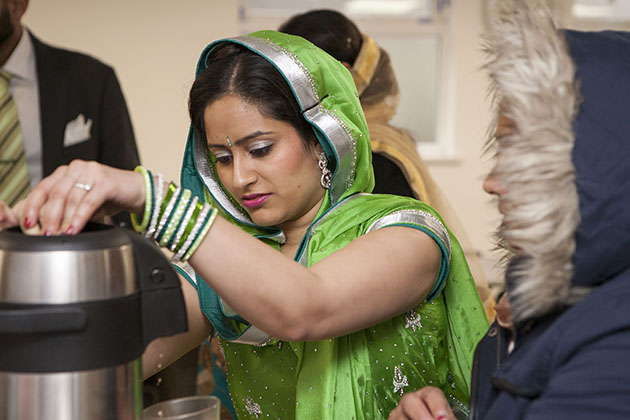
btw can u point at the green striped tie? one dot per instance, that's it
(14, 181)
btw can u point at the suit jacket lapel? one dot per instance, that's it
(53, 88)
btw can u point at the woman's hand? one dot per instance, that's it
(10, 217)
(73, 194)
(427, 403)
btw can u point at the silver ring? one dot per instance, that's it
(84, 187)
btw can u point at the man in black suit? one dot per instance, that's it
(70, 106)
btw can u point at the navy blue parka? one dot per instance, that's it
(566, 224)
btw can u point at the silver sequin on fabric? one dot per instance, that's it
(252, 408)
(450, 379)
(412, 320)
(400, 381)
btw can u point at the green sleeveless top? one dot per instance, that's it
(361, 375)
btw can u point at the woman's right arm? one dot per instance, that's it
(56, 206)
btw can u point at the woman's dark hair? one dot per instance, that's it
(234, 69)
(329, 30)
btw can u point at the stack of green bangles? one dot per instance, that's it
(173, 218)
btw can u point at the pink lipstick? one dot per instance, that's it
(255, 200)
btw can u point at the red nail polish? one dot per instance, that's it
(442, 417)
(70, 231)
(27, 222)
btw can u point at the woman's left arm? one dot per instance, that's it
(374, 278)
(163, 351)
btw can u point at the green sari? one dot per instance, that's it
(361, 375)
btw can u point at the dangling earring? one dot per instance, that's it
(326, 174)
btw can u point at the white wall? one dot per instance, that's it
(154, 45)
(462, 177)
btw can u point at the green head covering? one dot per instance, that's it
(328, 99)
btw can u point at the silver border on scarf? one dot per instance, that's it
(416, 217)
(302, 84)
(210, 178)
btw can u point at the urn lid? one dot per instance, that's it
(95, 264)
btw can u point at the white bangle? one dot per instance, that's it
(167, 213)
(193, 234)
(180, 206)
(202, 234)
(185, 221)
(157, 203)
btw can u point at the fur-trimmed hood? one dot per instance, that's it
(566, 166)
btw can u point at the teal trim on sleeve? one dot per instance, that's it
(211, 306)
(184, 274)
(445, 262)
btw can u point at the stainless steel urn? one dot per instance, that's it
(76, 313)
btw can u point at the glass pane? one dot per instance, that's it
(416, 60)
(413, 40)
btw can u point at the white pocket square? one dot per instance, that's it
(77, 130)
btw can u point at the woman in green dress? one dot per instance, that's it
(330, 302)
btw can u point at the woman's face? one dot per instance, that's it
(263, 163)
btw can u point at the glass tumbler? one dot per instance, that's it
(204, 407)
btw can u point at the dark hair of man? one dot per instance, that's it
(6, 26)
(329, 30)
(234, 69)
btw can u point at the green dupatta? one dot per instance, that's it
(363, 374)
